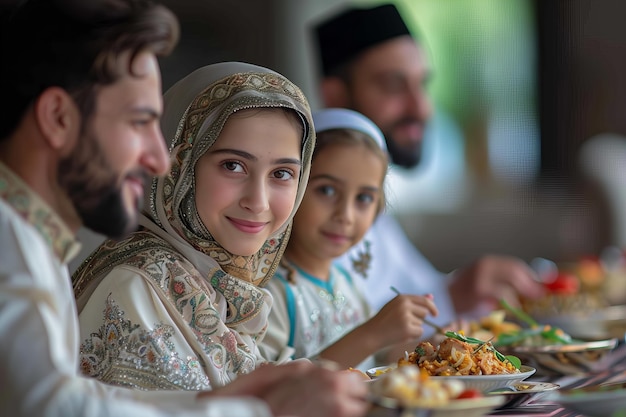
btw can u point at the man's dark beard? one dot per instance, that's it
(400, 156)
(109, 217)
(91, 185)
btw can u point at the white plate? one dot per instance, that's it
(570, 359)
(483, 383)
(379, 370)
(523, 392)
(600, 324)
(486, 383)
(474, 407)
(593, 402)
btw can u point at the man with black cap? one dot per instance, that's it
(371, 63)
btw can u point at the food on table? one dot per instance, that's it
(504, 333)
(578, 288)
(491, 326)
(412, 386)
(376, 372)
(359, 373)
(563, 283)
(460, 355)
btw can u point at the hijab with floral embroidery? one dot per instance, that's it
(196, 124)
(168, 307)
(195, 111)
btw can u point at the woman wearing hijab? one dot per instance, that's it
(178, 304)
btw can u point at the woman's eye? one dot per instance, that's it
(283, 174)
(233, 166)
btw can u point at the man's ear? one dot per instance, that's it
(58, 118)
(334, 92)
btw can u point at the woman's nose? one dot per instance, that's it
(256, 197)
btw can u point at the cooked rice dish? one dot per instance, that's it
(455, 357)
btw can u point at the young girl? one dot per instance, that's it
(178, 304)
(317, 310)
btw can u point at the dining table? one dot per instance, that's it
(611, 369)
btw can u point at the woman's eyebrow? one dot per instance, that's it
(290, 161)
(243, 154)
(251, 157)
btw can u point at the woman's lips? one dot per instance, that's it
(247, 226)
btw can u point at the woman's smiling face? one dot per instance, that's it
(246, 183)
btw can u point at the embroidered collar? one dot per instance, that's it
(17, 194)
(326, 285)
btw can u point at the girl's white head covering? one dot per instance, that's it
(336, 118)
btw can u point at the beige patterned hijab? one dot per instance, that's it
(196, 110)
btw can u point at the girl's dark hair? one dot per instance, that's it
(75, 45)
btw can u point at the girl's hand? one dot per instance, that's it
(400, 320)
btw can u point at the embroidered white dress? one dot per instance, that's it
(39, 369)
(154, 322)
(310, 314)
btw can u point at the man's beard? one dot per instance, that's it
(405, 158)
(401, 156)
(92, 186)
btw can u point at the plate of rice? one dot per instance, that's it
(477, 363)
(409, 391)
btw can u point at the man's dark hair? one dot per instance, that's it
(74, 45)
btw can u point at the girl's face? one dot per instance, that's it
(246, 183)
(340, 203)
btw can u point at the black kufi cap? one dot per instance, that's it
(349, 33)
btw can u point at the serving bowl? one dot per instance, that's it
(570, 359)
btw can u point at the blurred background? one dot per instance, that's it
(525, 155)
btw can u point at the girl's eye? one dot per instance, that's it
(141, 122)
(283, 174)
(327, 190)
(233, 166)
(365, 198)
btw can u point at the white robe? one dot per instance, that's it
(39, 333)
